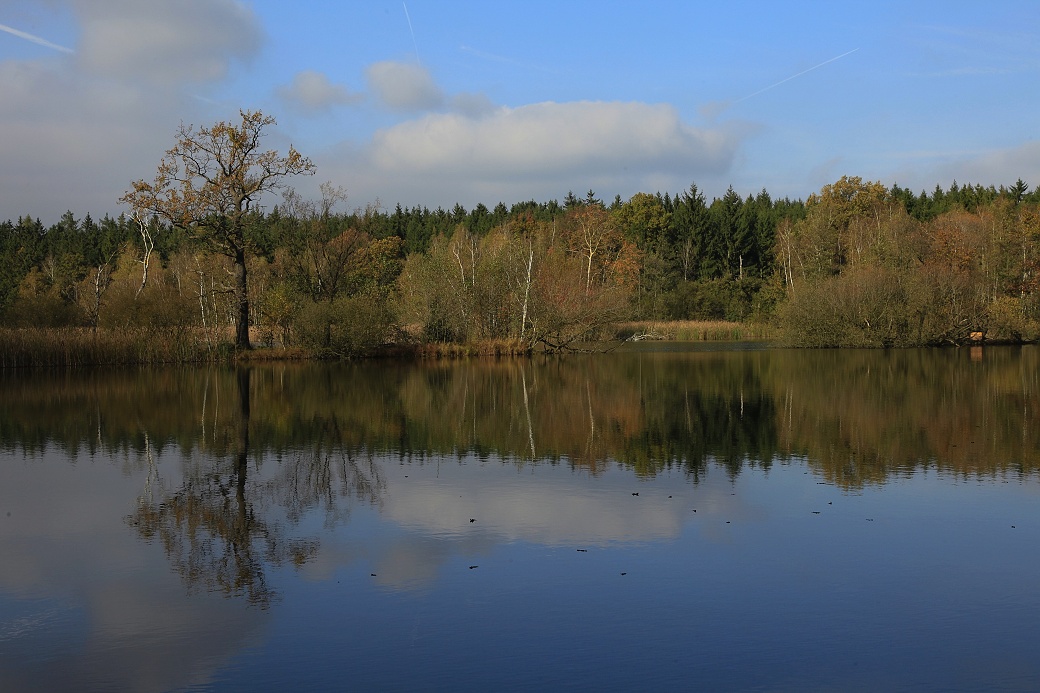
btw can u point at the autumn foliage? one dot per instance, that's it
(197, 257)
(860, 271)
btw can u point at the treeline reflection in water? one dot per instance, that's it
(303, 437)
(276, 482)
(855, 416)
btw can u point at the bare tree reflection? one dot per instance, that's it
(211, 531)
(327, 474)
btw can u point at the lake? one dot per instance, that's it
(666, 517)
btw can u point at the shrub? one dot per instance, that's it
(346, 326)
(1006, 320)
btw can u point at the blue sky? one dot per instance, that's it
(433, 103)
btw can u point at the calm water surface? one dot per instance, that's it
(662, 519)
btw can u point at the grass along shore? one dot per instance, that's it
(33, 347)
(38, 347)
(697, 331)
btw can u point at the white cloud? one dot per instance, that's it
(538, 152)
(72, 143)
(547, 138)
(473, 105)
(997, 167)
(314, 92)
(78, 129)
(165, 42)
(404, 86)
(923, 170)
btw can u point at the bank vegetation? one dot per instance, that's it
(856, 264)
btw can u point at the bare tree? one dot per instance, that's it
(210, 182)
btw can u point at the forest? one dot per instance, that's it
(857, 263)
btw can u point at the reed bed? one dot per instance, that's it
(698, 331)
(64, 347)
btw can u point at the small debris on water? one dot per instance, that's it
(473, 566)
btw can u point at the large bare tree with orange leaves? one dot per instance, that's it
(209, 184)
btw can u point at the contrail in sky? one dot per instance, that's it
(503, 59)
(35, 39)
(771, 86)
(412, 31)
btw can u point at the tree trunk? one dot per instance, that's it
(242, 457)
(242, 299)
(527, 294)
(242, 376)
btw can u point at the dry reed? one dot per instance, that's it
(698, 331)
(64, 347)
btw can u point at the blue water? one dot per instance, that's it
(135, 566)
(564, 581)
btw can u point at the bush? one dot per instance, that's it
(733, 300)
(1006, 320)
(867, 307)
(346, 326)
